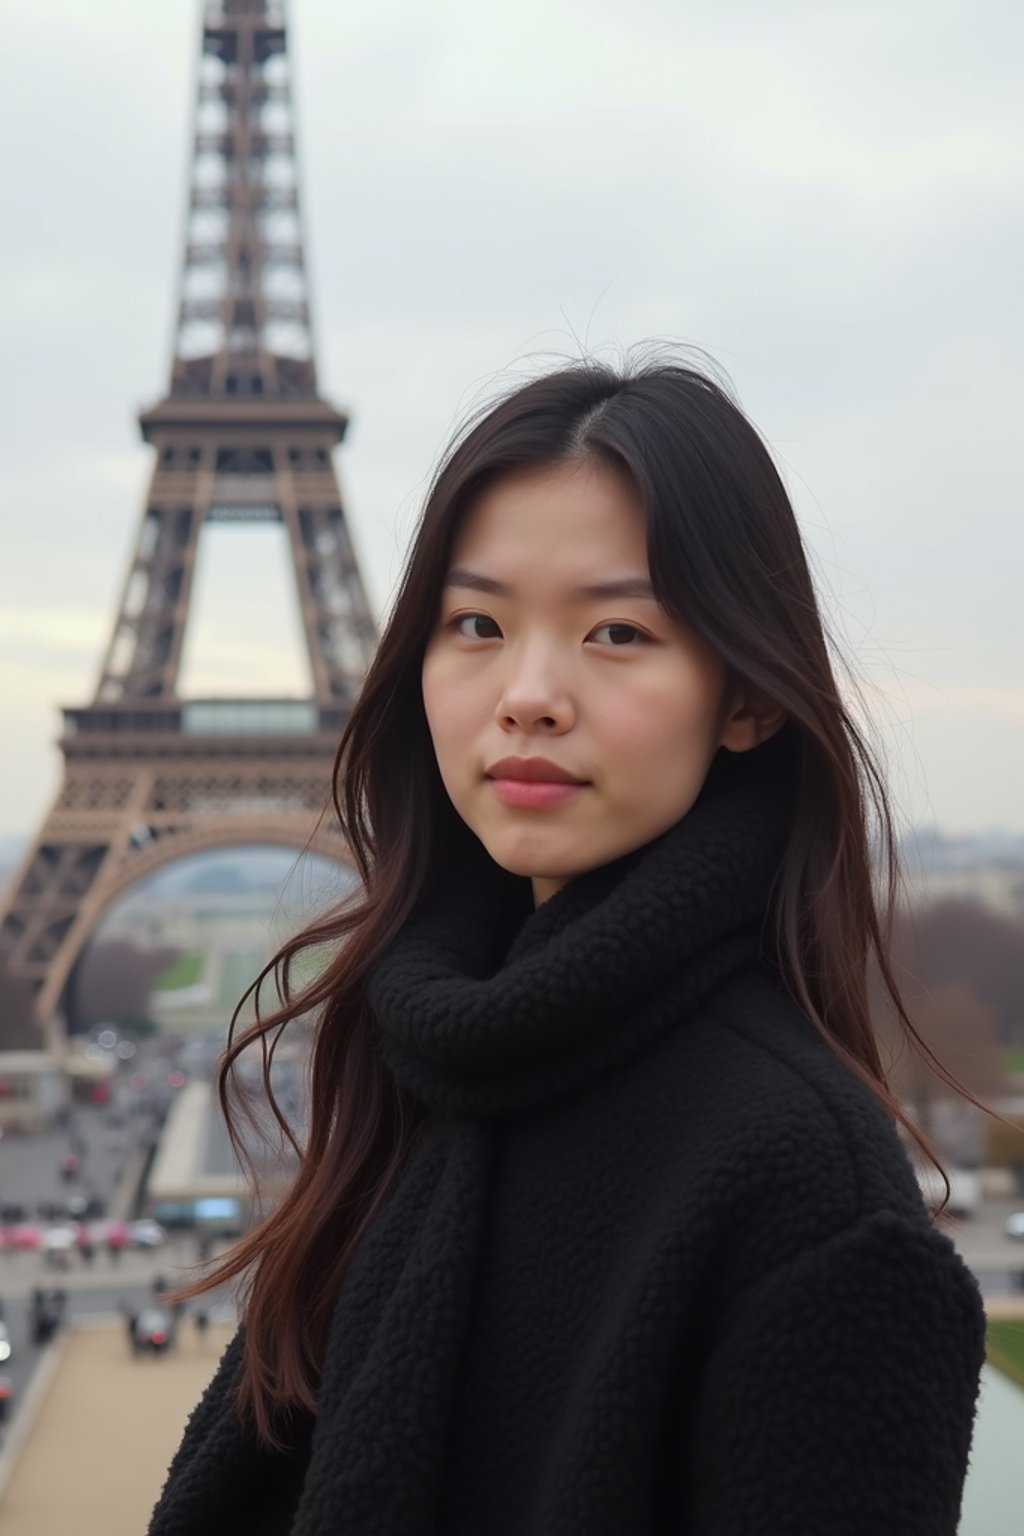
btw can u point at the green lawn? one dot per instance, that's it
(185, 972)
(1006, 1347)
(241, 967)
(308, 964)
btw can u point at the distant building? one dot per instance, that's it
(987, 869)
(195, 1181)
(33, 1086)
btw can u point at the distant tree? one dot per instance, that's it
(961, 1031)
(114, 981)
(961, 973)
(961, 943)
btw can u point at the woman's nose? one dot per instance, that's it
(535, 693)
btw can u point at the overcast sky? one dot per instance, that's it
(829, 199)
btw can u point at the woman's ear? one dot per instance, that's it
(752, 717)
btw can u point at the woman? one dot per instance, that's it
(603, 1224)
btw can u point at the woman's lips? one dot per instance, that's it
(534, 792)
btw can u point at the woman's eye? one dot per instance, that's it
(621, 634)
(473, 619)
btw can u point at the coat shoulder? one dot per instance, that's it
(785, 1130)
(797, 1065)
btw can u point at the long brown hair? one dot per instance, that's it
(725, 554)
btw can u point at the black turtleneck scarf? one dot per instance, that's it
(658, 1262)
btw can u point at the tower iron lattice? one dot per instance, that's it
(243, 435)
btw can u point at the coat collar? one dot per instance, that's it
(485, 1007)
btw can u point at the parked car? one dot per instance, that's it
(964, 1189)
(27, 1235)
(61, 1238)
(153, 1330)
(1015, 1225)
(115, 1235)
(145, 1233)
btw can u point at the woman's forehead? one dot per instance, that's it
(588, 513)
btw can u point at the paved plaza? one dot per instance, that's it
(98, 1452)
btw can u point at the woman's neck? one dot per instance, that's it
(546, 886)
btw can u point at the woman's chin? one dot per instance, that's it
(532, 859)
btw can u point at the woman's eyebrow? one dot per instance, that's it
(623, 586)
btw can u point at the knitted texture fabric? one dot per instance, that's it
(658, 1262)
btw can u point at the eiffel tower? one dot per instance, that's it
(242, 436)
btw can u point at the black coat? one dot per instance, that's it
(659, 1263)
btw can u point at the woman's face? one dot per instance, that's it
(525, 662)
